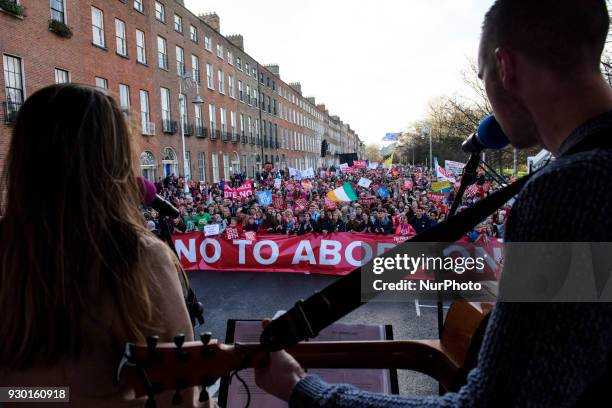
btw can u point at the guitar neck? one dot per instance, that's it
(426, 356)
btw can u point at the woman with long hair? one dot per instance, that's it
(79, 274)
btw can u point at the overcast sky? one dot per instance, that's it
(374, 64)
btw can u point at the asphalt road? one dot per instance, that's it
(240, 295)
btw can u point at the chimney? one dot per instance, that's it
(237, 40)
(212, 19)
(297, 86)
(311, 99)
(274, 69)
(321, 107)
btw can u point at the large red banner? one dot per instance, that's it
(331, 254)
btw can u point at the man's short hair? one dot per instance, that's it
(562, 35)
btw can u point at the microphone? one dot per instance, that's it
(148, 191)
(489, 136)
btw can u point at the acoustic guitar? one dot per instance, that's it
(158, 367)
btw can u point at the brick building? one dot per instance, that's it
(173, 73)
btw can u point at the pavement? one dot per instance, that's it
(248, 295)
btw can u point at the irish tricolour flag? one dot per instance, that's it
(344, 193)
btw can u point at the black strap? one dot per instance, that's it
(308, 317)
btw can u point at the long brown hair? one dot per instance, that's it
(70, 227)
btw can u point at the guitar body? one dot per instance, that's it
(154, 368)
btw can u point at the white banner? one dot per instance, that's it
(364, 182)
(293, 172)
(454, 167)
(373, 165)
(211, 229)
(308, 173)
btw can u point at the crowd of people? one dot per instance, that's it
(408, 206)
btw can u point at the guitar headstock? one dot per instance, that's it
(157, 367)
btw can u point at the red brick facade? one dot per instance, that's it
(294, 126)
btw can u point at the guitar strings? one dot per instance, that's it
(244, 384)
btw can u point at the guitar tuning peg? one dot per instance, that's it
(150, 402)
(177, 398)
(152, 342)
(179, 339)
(204, 395)
(205, 338)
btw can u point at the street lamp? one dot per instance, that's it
(424, 133)
(187, 82)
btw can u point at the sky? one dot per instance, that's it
(377, 65)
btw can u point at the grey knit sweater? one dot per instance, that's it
(533, 354)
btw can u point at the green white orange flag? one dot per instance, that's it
(343, 194)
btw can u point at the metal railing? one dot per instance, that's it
(148, 128)
(169, 126)
(11, 109)
(200, 131)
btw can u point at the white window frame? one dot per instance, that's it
(145, 111)
(208, 42)
(138, 5)
(97, 30)
(124, 97)
(220, 51)
(63, 11)
(180, 61)
(210, 73)
(221, 77)
(193, 33)
(165, 104)
(178, 23)
(102, 83)
(163, 42)
(214, 158)
(161, 11)
(212, 113)
(141, 47)
(121, 37)
(231, 86)
(60, 71)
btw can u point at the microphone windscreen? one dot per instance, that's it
(490, 134)
(148, 191)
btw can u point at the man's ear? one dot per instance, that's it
(506, 68)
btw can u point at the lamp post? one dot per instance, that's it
(187, 82)
(424, 133)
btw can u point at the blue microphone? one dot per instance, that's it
(489, 136)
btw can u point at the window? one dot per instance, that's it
(13, 79)
(202, 167)
(220, 51)
(62, 76)
(223, 114)
(226, 167)
(58, 11)
(230, 57)
(178, 23)
(246, 69)
(248, 94)
(165, 107)
(221, 76)
(215, 167)
(97, 26)
(193, 33)
(162, 53)
(233, 122)
(254, 97)
(231, 86)
(148, 165)
(240, 91)
(209, 77)
(242, 129)
(141, 50)
(183, 112)
(180, 61)
(198, 117)
(124, 97)
(239, 63)
(120, 36)
(145, 118)
(207, 43)
(212, 113)
(250, 126)
(139, 6)
(101, 83)
(195, 68)
(160, 12)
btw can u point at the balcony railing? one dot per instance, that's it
(169, 126)
(234, 137)
(265, 141)
(187, 129)
(148, 128)
(201, 131)
(244, 138)
(10, 111)
(214, 133)
(225, 136)
(252, 139)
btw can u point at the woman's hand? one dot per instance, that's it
(281, 374)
